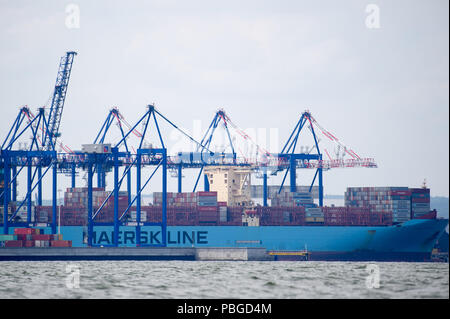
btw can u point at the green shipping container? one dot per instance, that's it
(8, 237)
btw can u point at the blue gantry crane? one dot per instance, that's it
(42, 153)
(206, 140)
(288, 155)
(59, 97)
(144, 155)
(34, 156)
(289, 159)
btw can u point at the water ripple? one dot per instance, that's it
(187, 279)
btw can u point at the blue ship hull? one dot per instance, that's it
(410, 241)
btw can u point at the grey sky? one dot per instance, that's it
(383, 92)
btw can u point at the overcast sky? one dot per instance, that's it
(383, 91)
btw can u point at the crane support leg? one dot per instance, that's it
(180, 177)
(14, 184)
(138, 201)
(55, 188)
(320, 188)
(90, 221)
(6, 195)
(129, 186)
(116, 200)
(292, 169)
(265, 187)
(29, 185)
(39, 199)
(164, 198)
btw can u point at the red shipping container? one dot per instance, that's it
(14, 243)
(208, 214)
(28, 243)
(401, 193)
(24, 231)
(207, 194)
(207, 208)
(61, 243)
(41, 237)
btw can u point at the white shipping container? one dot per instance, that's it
(143, 216)
(41, 243)
(96, 148)
(223, 216)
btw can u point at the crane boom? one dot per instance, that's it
(59, 96)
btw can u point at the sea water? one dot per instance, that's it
(195, 279)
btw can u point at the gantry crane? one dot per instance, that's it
(42, 152)
(59, 96)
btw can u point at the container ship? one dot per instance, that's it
(376, 223)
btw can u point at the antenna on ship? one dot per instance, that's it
(424, 184)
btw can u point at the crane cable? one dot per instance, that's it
(332, 137)
(244, 135)
(66, 148)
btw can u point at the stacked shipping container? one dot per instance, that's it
(207, 208)
(281, 216)
(32, 237)
(187, 208)
(77, 215)
(223, 212)
(289, 199)
(366, 206)
(314, 215)
(233, 216)
(176, 199)
(79, 196)
(10, 209)
(420, 202)
(74, 211)
(343, 216)
(403, 203)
